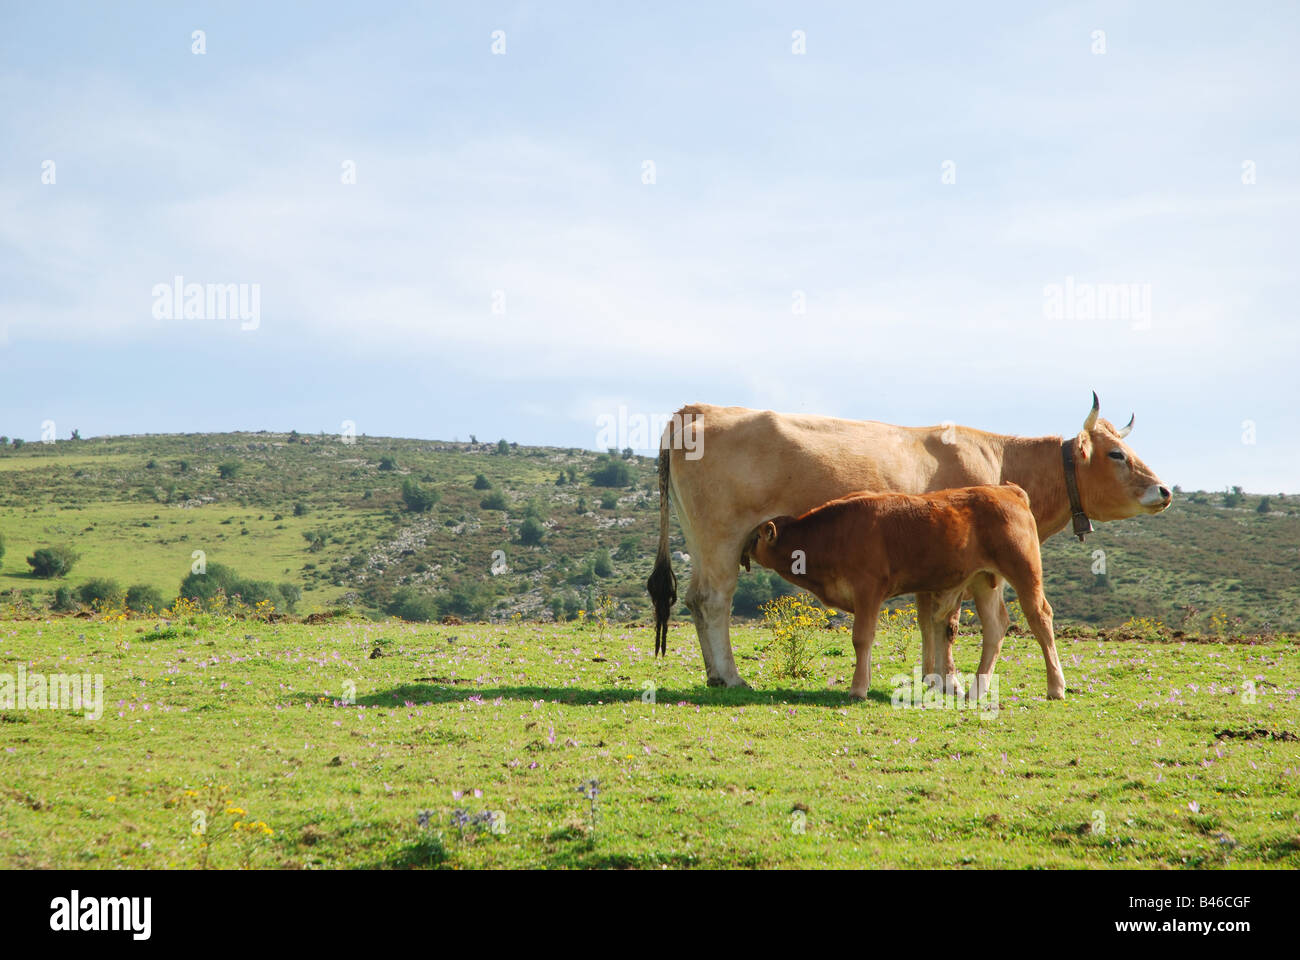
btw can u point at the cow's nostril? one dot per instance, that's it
(1164, 492)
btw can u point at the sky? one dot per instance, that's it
(514, 219)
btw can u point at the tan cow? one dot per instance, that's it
(856, 552)
(727, 469)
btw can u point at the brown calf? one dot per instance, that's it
(856, 552)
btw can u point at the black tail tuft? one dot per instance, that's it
(662, 585)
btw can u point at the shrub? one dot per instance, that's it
(608, 501)
(220, 578)
(496, 500)
(387, 463)
(291, 594)
(205, 586)
(99, 592)
(531, 532)
(143, 598)
(229, 470)
(316, 539)
(410, 604)
(470, 601)
(51, 562)
(64, 602)
(2, 547)
(611, 472)
(627, 550)
(602, 565)
(502, 447)
(418, 499)
(794, 623)
(481, 482)
(300, 509)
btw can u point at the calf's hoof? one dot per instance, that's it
(1056, 694)
(857, 695)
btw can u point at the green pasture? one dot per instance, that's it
(1165, 754)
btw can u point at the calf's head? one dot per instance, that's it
(1113, 483)
(762, 544)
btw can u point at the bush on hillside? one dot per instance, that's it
(99, 591)
(417, 498)
(51, 562)
(142, 598)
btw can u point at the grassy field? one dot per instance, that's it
(1156, 759)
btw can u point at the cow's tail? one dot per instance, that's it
(662, 585)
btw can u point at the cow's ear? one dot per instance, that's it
(1083, 446)
(768, 532)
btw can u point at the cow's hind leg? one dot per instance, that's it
(709, 599)
(994, 621)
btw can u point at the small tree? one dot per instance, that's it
(99, 592)
(1265, 505)
(531, 532)
(143, 598)
(627, 550)
(496, 500)
(229, 470)
(418, 499)
(481, 482)
(51, 562)
(610, 472)
(603, 566)
(292, 593)
(64, 601)
(502, 447)
(387, 463)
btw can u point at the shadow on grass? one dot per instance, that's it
(421, 693)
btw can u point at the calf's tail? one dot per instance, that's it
(662, 585)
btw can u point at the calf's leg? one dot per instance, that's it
(1029, 588)
(943, 626)
(994, 620)
(865, 613)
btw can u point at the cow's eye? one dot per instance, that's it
(1118, 455)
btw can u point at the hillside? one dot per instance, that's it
(330, 518)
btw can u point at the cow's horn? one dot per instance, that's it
(1091, 422)
(1128, 427)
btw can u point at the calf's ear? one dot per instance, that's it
(768, 532)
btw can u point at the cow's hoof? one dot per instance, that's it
(857, 697)
(1056, 694)
(717, 682)
(739, 683)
